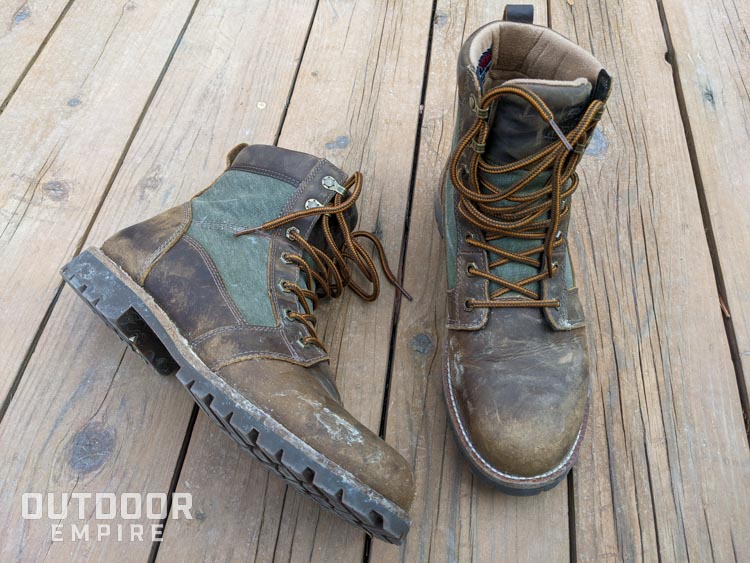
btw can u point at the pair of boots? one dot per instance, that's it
(221, 291)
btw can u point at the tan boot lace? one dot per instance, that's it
(331, 273)
(535, 215)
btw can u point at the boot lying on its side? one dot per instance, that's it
(221, 291)
(515, 365)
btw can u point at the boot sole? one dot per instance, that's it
(510, 484)
(134, 316)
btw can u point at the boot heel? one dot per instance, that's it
(118, 307)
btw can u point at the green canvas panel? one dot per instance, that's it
(239, 200)
(512, 271)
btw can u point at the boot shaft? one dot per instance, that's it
(208, 278)
(523, 90)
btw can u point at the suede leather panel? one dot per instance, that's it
(300, 403)
(136, 248)
(187, 286)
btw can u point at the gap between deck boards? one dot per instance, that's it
(707, 223)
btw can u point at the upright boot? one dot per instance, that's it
(515, 367)
(221, 290)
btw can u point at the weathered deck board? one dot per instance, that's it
(77, 425)
(711, 54)
(356, 102)
(665, 471)
(61, 137)
(24, 28)
(665, 467)
(455, 516)
(81, 386)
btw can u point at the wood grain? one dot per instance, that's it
(665, 472)
(24, 27)
(83, 397)
(355, 102)
(455, 516)
(61, 137)
(711, 55)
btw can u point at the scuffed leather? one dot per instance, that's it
(267, 365)
(520, 390)
(515, 380)
(154, 248)
(298, 399)
(187, 286)
(138, 247)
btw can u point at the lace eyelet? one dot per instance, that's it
(469, 266)
(469, 237)
(283, 286)
(290, 231)
(285, 258)
(288, 312)
(301, 342)
(558, 236)
(468, 305)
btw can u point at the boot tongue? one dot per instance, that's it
(518, 130)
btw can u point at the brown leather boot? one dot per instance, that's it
(221, 292)
(515, 367)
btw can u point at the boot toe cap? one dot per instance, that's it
(523, 447)
(518, 424)
(297, 399)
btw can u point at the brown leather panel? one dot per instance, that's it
(519, 389)
(282, 164)
(229, 344)
(186, 284)
(467, 287)
(136, 248)
(569, 315)
(295, 397)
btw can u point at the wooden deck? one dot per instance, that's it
(114, 110)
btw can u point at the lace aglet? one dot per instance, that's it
(403, 291)
(248, 231)
(560, 134)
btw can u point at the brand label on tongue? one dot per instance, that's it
(484, 65)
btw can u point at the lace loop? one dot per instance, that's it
(536, 215)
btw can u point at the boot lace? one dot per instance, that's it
(532, 216)
(331, 274)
